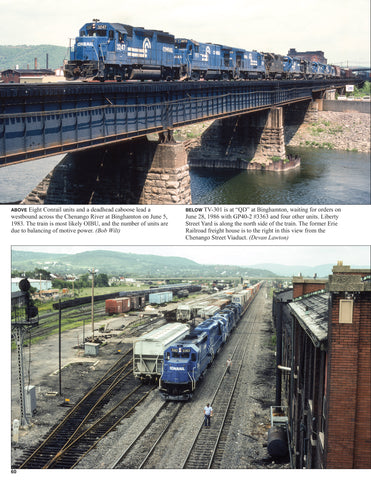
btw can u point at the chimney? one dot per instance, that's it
(47, 61)
(35, 63)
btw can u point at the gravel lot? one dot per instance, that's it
(246, 446)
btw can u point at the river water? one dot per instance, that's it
(325, 177)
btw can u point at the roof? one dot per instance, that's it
(28, 71)
(285, 295)
(312, 312)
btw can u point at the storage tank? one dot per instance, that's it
(277, 442)
(148, 350)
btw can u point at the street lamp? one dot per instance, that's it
(92, 271)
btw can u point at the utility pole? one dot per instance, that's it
(21, 324)
(92, 271)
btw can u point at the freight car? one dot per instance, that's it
(142, 296)
(118, 305)
(115, 51)
(148, 350)
(160, 298)
(186, 360)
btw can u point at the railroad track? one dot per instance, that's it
(138, 453)
(151, 441)
(208, 447)
(90, 419)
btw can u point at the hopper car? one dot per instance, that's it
(148, 350)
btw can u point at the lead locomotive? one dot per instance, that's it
(115, 51)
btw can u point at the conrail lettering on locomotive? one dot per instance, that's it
(115, 51)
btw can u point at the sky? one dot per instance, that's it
(236, 255)
(340, 28)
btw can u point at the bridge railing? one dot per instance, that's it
(41, 120)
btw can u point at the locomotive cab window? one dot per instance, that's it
(181, 45)
(193, 357)
(97, 33)
(111, 34)
(167, 356)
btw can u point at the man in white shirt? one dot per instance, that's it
(229, 363)
(208, 411)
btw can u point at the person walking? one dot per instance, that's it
(208, 411)
(229, 363)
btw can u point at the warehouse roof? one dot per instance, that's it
(312, 312)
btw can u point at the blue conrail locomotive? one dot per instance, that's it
(186, 361)
(115, 51)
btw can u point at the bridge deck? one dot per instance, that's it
(38, 120)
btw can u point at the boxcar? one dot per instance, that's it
(118, 305)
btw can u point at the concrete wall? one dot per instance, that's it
(347, 106)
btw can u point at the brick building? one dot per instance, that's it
(311, 56)
(23, 75)
(326, 341)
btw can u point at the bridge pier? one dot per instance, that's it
(167, 180)
(133, 172)
(253, 141)
(269, 129)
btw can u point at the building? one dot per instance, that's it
(25, 75)
(314, 56)
(324, 336)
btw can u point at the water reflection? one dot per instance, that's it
(325, 177)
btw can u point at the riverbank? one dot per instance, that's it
(347, 131)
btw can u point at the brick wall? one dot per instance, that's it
(348, 435)
(303, 286)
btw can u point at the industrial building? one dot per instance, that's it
(20, 75)
(311, 56)
(323, 368)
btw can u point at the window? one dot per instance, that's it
(346, 311)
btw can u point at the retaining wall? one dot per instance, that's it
(359, 106)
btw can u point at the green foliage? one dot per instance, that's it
(361, 92)
(122, 264)
(328, 145)
(24, 56)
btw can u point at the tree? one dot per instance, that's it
(102, 280)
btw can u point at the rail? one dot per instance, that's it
(70, 440)
(208, 446)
